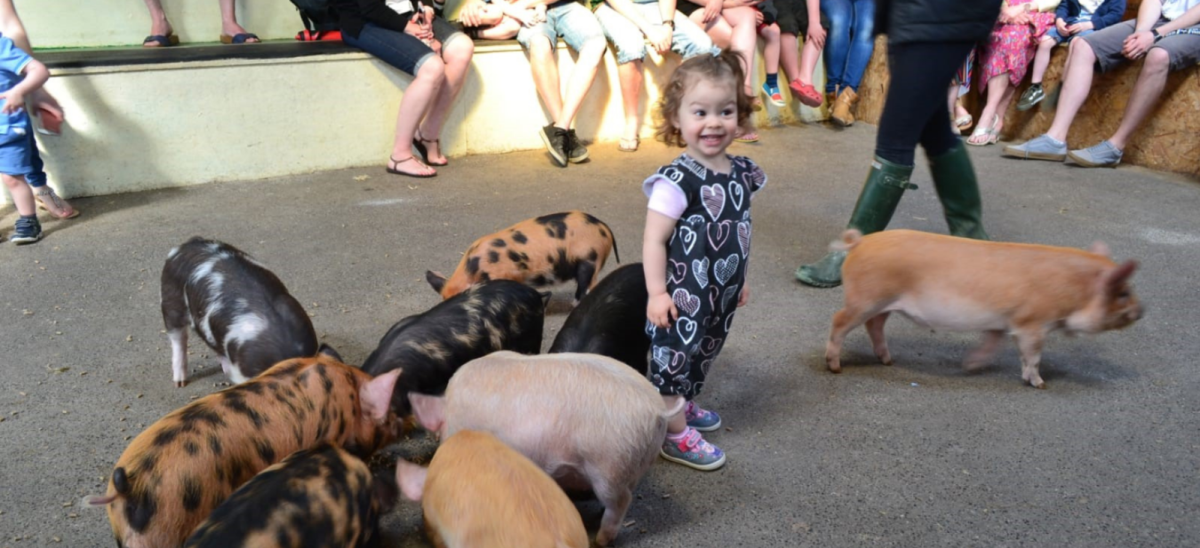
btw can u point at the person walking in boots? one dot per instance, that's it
(927, 41)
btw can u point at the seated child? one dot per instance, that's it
(1072, 18)
(20, 74)
(786, 19)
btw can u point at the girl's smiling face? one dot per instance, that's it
(708, 121)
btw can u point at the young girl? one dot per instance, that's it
(697, 243)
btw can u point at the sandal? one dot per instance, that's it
(160, 41)
(990, 135)
(964, 122)
(50, 201)
(419, 144)
(747, 137)
(397, 163)
(625, 146)
(240, 38)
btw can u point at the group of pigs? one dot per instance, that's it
(277, 460)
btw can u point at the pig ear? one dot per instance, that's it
(411, 479)
(436, 280)
(430, 410)
(546, 295)
(1100, 248)
(376, 396)
(1119, 275)
(329, 351)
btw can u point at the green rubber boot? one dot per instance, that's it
(957, 188)
(880, 195)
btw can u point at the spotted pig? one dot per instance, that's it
(611, 320)
(431, 346)
(181, 467)
(479, 492)
(241, 310)
(322, 497)
(540, 252)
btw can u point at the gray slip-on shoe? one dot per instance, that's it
(1042, 147)
(1101, 155)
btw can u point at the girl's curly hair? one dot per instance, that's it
(725, 67)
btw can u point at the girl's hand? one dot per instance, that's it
(14, 100)
(758, 17)
(816, 35)
(1062, 28)
(744, 297)
(661, 311)
(712, 10)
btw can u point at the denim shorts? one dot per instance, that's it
(1058, 39)
(16, 151)
(688, 40)
(568, 19)
(399, 49)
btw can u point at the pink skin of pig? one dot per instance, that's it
(588, 421)
(957, 284)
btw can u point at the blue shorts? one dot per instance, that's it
(1058, 39)
(16, 152)
(399, 49)
(566, 18)
(688, 40)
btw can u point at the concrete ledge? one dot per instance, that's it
(140, 126)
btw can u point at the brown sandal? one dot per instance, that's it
(397, 163)
(49, 201)
(419, 144)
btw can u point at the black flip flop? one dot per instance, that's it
(163, 40)
(405, 173)
(419, 144)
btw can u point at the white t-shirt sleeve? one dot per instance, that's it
(665, 197)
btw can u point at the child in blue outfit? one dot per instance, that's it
(1072, 18)
(20, 74)
(697, 243)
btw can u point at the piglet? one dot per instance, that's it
(589, 421)
(176, 471)
(241, 310)
(322, 497)
(961, 284)
(431, 346)
(479, 492)
(610, 320)
(540, 251)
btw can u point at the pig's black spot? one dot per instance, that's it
(287, 370)
(252, 387)
(485, 277)
(514, 256)
(193, 494)
(494, 257)
(193, 415)
(564, 268)
(214, 445)
(265, 451)
(593, 255)
(603, 234)
(499, 242)
(165, 436)
(540, 280)
(519, 237)
(239, 472)
(472, 265)
(235, 403)
(522, 266)
(591, 220)
(191, 448)
(147, 463)
(303, 378)
(326, 382)
(139, 508)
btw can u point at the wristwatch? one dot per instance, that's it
(1157, 36)
(669, 23)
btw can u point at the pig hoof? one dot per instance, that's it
(180, 384)
(1039, 384)
(834, 367)
(887, 360)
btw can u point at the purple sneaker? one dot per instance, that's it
(704, 421)
(693, 451)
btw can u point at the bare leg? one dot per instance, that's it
(582, 76)
(1145, 95)
(771, 49)
(789, 52)
(1030, 341)
(158, 19)
(878, 342)
(808, 62)
(22, 196)
(229, 24)
(457, 57)
(980, 356)
(1041, 59)
(545, 75)
(678, 422)
(1077, 82)
(997, 87)
(630, 75)
(743, 40)
(179, 338)
(416, 101)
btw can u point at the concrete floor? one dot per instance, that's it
(919, 454)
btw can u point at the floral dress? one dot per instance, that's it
(1011, 47)
(706, 268)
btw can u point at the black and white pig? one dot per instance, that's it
(431, 346)
(611, 320)
(322, 497)
(241, 310)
